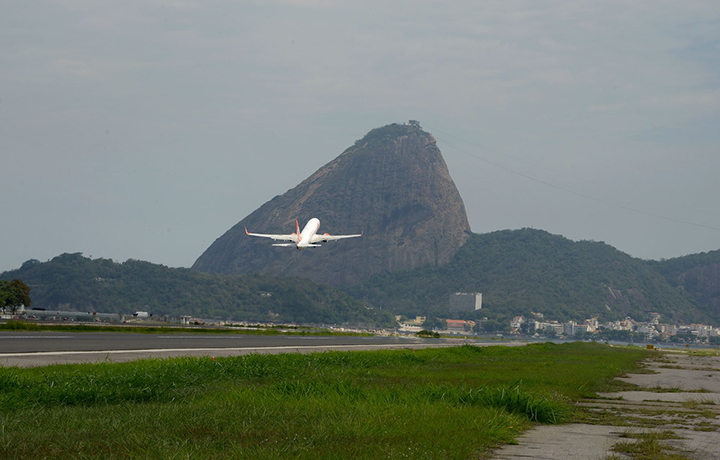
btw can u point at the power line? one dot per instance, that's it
(557, 187)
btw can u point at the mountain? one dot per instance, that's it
(393, 184)
(76, 283)
(519, 271)
(698, 275)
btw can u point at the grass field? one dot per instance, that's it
(453, 403)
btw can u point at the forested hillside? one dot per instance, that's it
(699, 276)
(672, 269)
(519, 271)
(71, 281)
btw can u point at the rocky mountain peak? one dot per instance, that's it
(393, 184)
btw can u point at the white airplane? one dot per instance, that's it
(308, 238)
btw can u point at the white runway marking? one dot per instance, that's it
(204, 337)
(173, 350)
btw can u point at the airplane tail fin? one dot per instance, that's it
(297, 227)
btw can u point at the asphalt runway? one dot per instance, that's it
(25, 349)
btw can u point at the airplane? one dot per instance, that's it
(308, 238)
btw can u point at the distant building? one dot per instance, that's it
(516, 323)
(592, 324)
(463, 301)
(418, 321)
(655, 318)
(701, 330)
(410, 325)
(458, 325)
(79, 316)
(555, 326)
(570, 328)
(184, 319)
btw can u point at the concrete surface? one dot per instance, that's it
(649, 396)
(682, 372)
(575, 441)
(686, 400)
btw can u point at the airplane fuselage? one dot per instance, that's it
(305, 237)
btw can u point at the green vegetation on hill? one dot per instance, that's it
(673, 268)
(71, 281)
(519, 271)
(698, 275)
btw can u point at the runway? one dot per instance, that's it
(26, 349)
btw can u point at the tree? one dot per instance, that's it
(4, 293)
(493, 325)
(434, 323)
(14, 293)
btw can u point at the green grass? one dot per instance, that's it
(453, 403)
(650, 445)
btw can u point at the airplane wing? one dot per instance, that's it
(292, 237)
(293, 244)
(328, 237)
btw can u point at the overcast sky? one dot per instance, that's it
(145, 129)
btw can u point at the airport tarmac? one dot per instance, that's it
(25, 349)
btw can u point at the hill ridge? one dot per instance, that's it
(519, 271)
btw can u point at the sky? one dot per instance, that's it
(145, 129)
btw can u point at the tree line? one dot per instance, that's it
(76, 283)
(518, 272)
